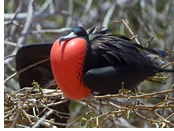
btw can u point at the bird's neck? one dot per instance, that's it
(88, 57)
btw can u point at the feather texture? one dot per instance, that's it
(115, 59)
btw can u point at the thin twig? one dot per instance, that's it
(24, 69)
(17, 113)
(148, 95)
(168, 64)
(149, 41)
(165, 120)
(42, 119)
(131, 32)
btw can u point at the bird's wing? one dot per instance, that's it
(117, 60)
(41, 73)
(31, 54)
(119, 48)
(109, 79)
(114, 48)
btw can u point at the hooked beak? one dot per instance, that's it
(68, 37)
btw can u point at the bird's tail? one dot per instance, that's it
(167, 70)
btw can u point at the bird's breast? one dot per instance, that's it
(67, 62)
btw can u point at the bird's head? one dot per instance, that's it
(75, 32)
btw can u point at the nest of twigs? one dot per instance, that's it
(18, 104)
(99, 111)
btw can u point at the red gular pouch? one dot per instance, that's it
(67, 60)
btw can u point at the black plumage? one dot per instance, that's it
(41, 73)
(112, 60)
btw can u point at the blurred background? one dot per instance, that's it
(41, 21)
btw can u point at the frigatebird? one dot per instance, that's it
(87, 61)
(97, 60)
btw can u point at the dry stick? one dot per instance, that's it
(168, 93)
(28, 118)
(74, 121)
(169, 51)
(45, 91)
(147, 119)
(104, 114)
(12, 20)
(113, 122)
(26, 68)
(164, 119)
(131, 32)
(155, 81)
(19, 8)
(17, 113)
(168, 64)
(166, 98)
(93, 107)
(117, 106)
(9, 56)
(45, 122)
(59, 113)
(97, 119)
(57, 103)
(42, 119)
(134, 97)
(77, 119)
(144, 108)
(170, 116)
(6, 42)
(149, 41)
(129, 29)
(163, 77)
(153, 93)
(31, 105)
(105, 119)
(21, 126)
(56, 123)
(90, 105)
(171, 98)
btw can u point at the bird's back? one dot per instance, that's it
(132, 62)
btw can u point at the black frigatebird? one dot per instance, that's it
(85, 61)
(97, 60)
(92, 60)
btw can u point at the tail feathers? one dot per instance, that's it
(167, 70)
